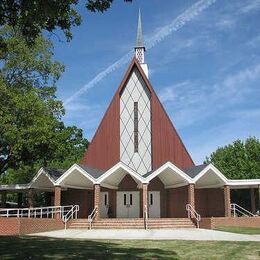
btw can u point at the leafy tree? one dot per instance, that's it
(239, 160)
(31, 131)
(34, 16)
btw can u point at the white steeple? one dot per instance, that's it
(139, 48)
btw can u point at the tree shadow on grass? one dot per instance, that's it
(52, 248)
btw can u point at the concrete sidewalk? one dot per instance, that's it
(154, 234)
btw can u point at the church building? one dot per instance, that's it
(137, 167)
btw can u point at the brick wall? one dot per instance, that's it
(177, 199)
(210, 202)
(9, 226)
(83, 198)
(212, 223)
(22, 226)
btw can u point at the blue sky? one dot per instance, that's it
(205, 69)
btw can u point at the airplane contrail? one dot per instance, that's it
(151, 42)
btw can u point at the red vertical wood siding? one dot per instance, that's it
(104, 150)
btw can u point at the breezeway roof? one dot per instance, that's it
(84, 177)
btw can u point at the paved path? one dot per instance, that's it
(155, 234)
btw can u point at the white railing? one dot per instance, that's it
(91, 217)
(237, 211)
(39, 212)
(145, 217)
(71, 214)
(192, 214)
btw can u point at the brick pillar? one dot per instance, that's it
(227, 201)
(19, 199)
(145, 198)
(97, 199)
(57, 199)
(3, 199)
(252, 197)
(30, 198)
(191, 194)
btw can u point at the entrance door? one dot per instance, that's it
(128, 204)
(154, 204)
(104, 204)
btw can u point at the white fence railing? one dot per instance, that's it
(91, 217)
(192, 214)
(71, 214)
(39, 212)
(237, 211)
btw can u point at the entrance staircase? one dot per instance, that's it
(132, 223)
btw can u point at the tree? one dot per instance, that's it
(31, 131)
(34, 16)
(239, 160)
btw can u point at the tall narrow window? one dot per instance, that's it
(135, 127)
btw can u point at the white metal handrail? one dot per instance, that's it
(145, 217)
(192, 213)
(236, 210)
(72, 213)
(91, 217)
(38, 212)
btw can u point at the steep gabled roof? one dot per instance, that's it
(104, 150)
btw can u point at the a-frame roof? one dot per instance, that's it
(104, 150)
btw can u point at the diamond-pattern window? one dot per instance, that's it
(135, 124)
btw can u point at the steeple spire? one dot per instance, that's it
(139, 48)
(139, 37)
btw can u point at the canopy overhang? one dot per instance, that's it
(113, 177)
(171, 176)
(77, 178)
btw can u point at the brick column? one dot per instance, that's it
(97, 200)
(3, 199)
(191, 194)
(57, 199)
(145, 198)
(30, 198)
(19, 199)
(227, 201)
(252, 197)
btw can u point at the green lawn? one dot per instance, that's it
(240, 230)
(48, 248)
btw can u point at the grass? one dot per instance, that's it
(241, 230)
(50, 248)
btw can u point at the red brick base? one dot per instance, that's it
(22, 226)
(212, 223)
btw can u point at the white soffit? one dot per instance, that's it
(114, 175)
(244, 184)
(210, 177)
(171, 176)
(42, 180)
(76, 177)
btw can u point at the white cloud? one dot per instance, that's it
(250, 5)
(160, 34)
(226, 23)
(191, 102)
